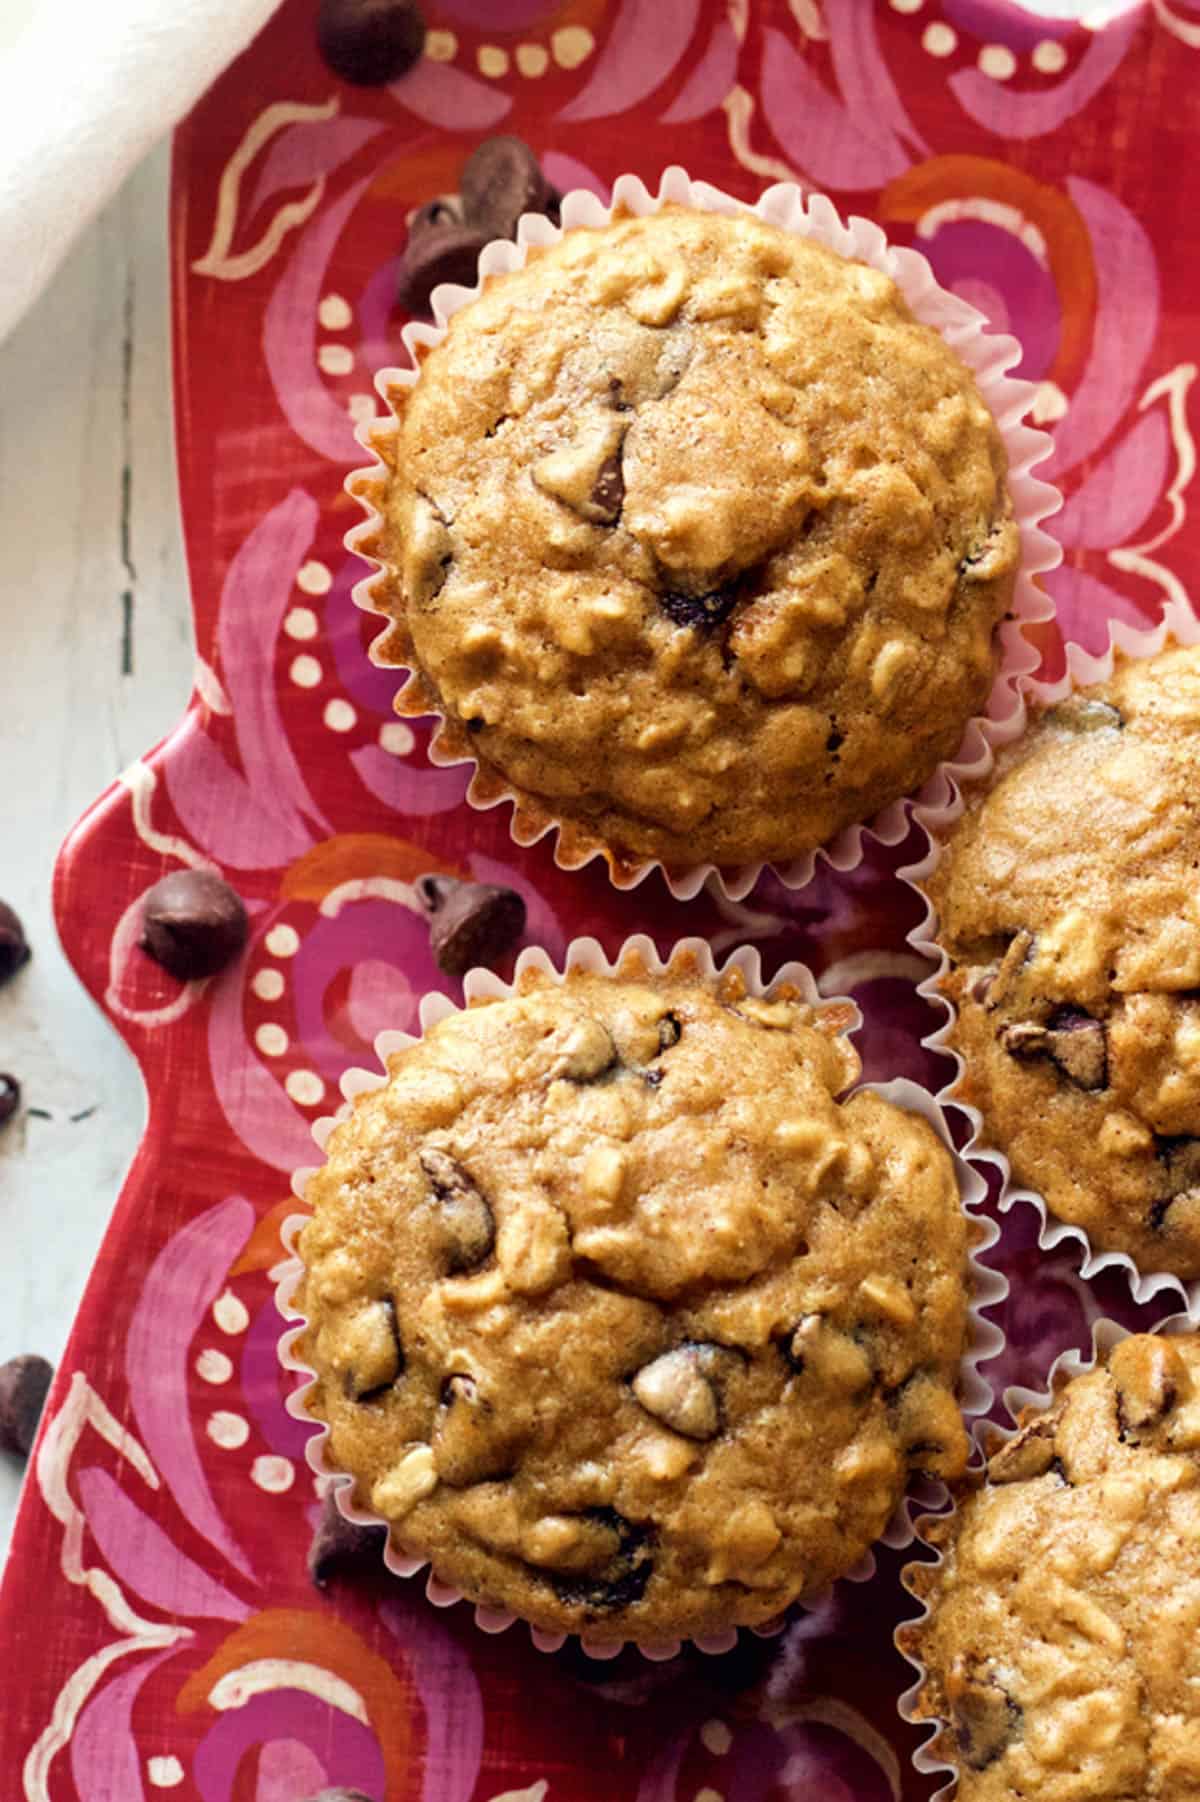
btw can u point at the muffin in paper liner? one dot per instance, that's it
(988, 1287)
(988, 354)
(1178, 625)
(937, 1754)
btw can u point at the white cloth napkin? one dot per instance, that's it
(86, 87)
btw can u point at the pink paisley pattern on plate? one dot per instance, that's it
(304, 153)
(449, 1692)
(830, 146)
(709, 81)
(290, 336)
(440, 95)
(1126, 324)
(1028, 115)
(254, 1105)
(105, 1761)
(647, 39)
(322, 830)
(147, 1559)
(183, 1281)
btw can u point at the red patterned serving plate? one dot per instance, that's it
(160, 1630)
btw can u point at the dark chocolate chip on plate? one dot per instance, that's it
(437, 252)
(10, 1097)
(24, 1385)
(370, 42)
(14, 949)
(469, 922)
(193, 923)
(501, 180)
(340, 1546)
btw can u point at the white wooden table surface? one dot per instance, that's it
(87, 682)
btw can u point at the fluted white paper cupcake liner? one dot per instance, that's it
(985, 1340)
(990, 355)
(928, 1759)
(1178, 625)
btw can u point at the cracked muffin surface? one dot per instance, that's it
(1063, 1641)
(1068, 902)
(697, 538)
(621, 1317)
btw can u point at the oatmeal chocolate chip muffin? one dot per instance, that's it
(1070, 909)
(1063, 1640)
(697, 540)
(621, 1317)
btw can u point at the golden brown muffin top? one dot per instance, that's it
(1063, 1644)
(621, 1317)
(698, 538)
(1069, 903)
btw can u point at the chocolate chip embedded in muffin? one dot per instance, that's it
(726, 538)
(1060, 1647)
(665, 1352)
(1067, 905)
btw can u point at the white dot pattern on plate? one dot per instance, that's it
(164, 1772)
(441, 46)
(397, 738)
(335, 313)
(940, 39)
(314, 577)
(715, 1736)
(360, 407)
(998, 61)
(907, 6)
(301, 623)
(335, 359)
(572, 45)
(492, 61)
(273, 1474)
(271, 1040)
(532, 59)
(283, 941)
(227, 1430)
(230, 1313)
(1049, 57)
(306, 672)
(708, 1795)
(305, 1087)
(213, 1365)
(340, 716)
(267, 984)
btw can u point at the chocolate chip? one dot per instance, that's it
(1029, 1454)
(340, 1545)
(468, 1227)
(469, 922)
(678, 1390)
(442, 210)
(24, 1385)
(1181, 1155)
(1149, 1376)
(608, 491)
(340, 1795)
(370, 42)
(14, 950)
(623, 1581)
(985, 1716)
(1071, 1040)
(193, 924)
(469, 1441)
(1081, 715)
(10, 1097)
(435, 254)
(379, 1356)
(703, 611)
(501, 180)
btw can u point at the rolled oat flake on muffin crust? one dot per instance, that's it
(621, 1317)
(696, 539)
